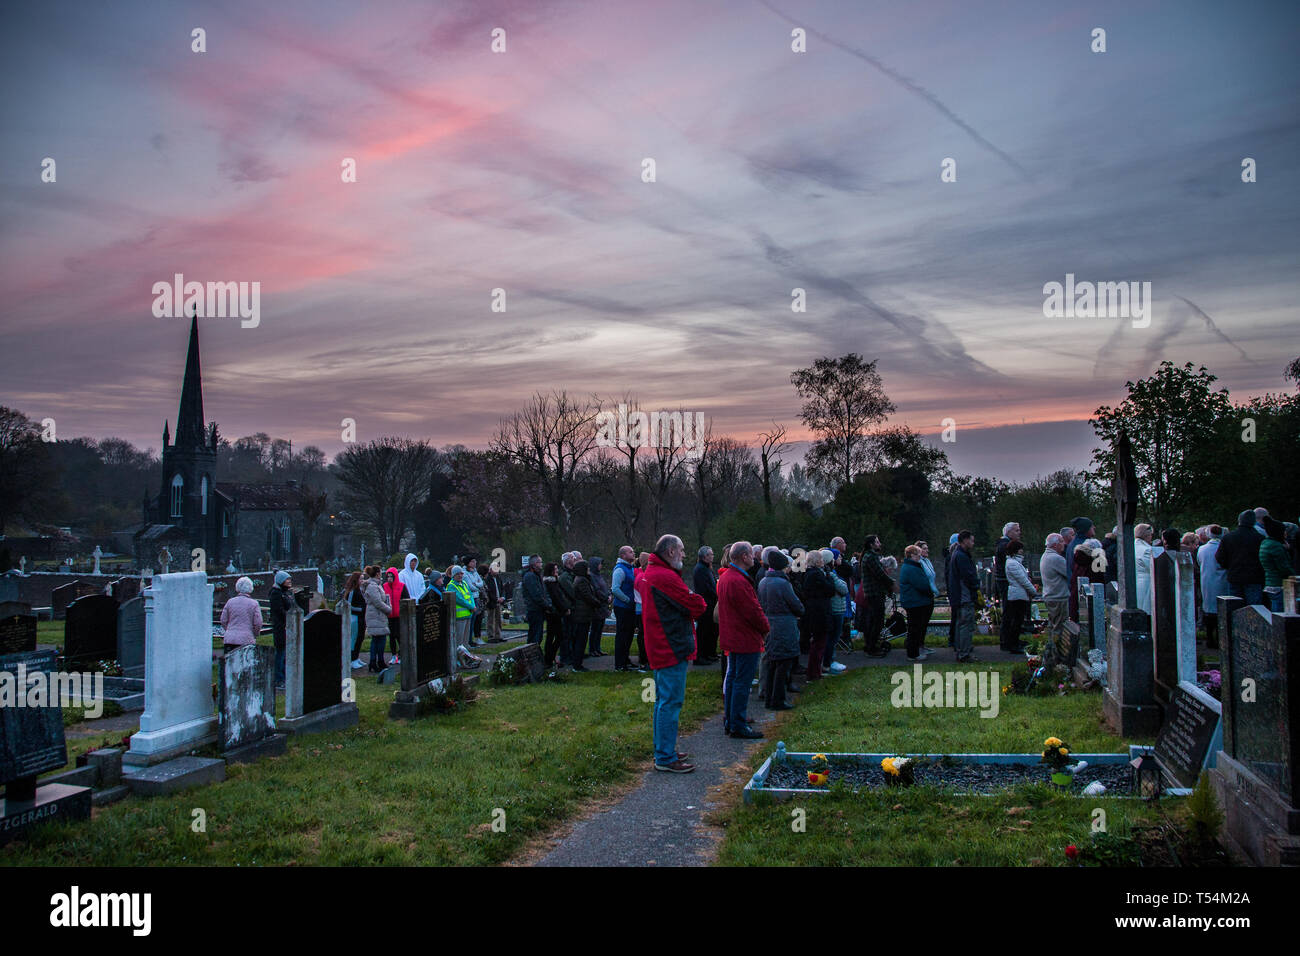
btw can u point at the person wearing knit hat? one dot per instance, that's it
(464, 606)
(281, 600)
(783, 609)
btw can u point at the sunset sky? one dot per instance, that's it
(522, 170)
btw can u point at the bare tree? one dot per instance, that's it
(770, 451)
(719, 477)
(24, 464)
(549, 439)
(383, 482)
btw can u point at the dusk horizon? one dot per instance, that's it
(522, 170)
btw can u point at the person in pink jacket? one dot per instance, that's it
(241, 618)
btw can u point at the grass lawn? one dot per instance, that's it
(923, 826)
(393, 792)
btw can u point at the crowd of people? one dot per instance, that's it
(770, 615)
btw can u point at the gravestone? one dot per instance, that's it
(178, 711)
(1257, 776)
(124, 589)
(130, 637)
(533, 668)
(1164, 625)
(1092, 615)
(246, 704)
(8, 588)
(98, 553)
(426, 649)
(1128, 702)
(1191, 736)
(65, 594)
(32, 742)
(90, 629)
(319, 688)
(17, 627)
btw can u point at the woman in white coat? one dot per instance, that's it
(1143, 557)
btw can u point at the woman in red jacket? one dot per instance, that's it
(742, 626)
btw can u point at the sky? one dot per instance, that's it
(523, 170)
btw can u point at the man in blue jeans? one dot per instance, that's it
(669, 610)
(536, 601)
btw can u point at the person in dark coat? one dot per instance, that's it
(963, 591)
(586, 607)
(876, 586)
(282, 600)
(561, 609)
(817, 594)
(536, 599)
(601, 587)
(706, 630)
(1238, 554)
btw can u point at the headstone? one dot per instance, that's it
(64, 595)
(319, 688)
(90, 630)
(1092, 615)
(98, 553)
(246, 702)
(427, 651)
(130, 637)
(1126, 490)
(17, 628)
(124, 589)
(534, 667)
(178, 710)
(8, 588)
(1192, 734)
(1128, 701)
(1257, 776)
(1164, 625)
(31, 742)
(1185, 623)
(425, 640)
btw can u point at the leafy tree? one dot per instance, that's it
(1173, 419)
(842, 399)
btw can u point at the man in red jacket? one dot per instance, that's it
(742, 625)
(668, 613)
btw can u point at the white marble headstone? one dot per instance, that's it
(178, 707)
(1185, 614)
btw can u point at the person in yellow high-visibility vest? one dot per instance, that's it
(464, 607)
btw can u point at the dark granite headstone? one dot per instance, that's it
(31, 737)
(1164, 626)
(426, 644)
(1128, 702)
(322, 634)
(1260, 733)
(534, 667)
(63, 596)
(1192, 722)
(17, 627)
(90, 631)
(130, 637)
(8, 588)
(247, 695)
(124, 589)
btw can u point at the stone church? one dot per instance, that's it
(255, 525)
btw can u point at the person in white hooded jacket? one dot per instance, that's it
(412, 578)
(474, 581)
(1143, 556)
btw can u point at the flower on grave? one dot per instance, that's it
(1056, 753)
(898, 771)
(1072, 852)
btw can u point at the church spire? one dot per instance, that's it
(190, 429)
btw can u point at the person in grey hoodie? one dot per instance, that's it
(474, 581)
(1056, 587)
(777, 598)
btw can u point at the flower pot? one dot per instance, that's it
(1062, 779)
(818, 779)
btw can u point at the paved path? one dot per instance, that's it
(661, 821)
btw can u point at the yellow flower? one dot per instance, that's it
(1052, 742)
(1062, 750)
(819, 756)
(889, 766)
